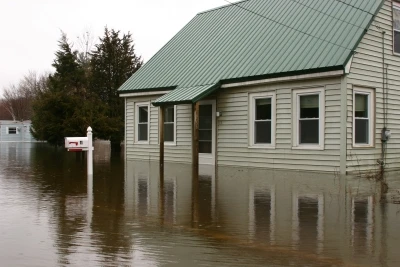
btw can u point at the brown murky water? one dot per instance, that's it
(231, 217)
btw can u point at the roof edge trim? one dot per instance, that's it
(139, 94)
(280, 75)
(365, 31)
(318, 75)
(207, 92)
(220, 7)
(196, 98)
(147, 90)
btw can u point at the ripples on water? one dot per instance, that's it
(231, 217)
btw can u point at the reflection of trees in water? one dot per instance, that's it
(109, 231)
(61, 177)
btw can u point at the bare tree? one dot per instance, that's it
(85, 45)
(4, 114)
(17, 99)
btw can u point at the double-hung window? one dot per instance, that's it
(309, 118)
(396, 28)
(12, 130)
(262, 119)
(169, 124)
(142, 122)
(363, 119)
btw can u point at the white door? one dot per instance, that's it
(207, 132)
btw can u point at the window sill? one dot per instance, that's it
(363, 146)
(262, 146)
(142, 143)
(308, 147)
(169, 144)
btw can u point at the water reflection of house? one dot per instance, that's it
(15, 131)
(362, 224)
(308, 213)
(142, 192)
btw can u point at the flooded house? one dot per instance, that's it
(296, 85)
(15, 131)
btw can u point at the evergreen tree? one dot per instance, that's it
(69, 76)
(113, 61)
(67, 108)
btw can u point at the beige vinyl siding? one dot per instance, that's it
(366, 71)
(181, 152)
(233, 129)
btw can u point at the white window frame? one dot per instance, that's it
(16, 130)
(296, 116)
(371, 116)
(137, 105)
(252, 99)
(169, 143)
(395, 6)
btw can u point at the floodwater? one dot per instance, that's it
(52, 216)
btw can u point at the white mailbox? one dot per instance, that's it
(75, 144)
(79, 143)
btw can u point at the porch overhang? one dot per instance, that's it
(186, 95)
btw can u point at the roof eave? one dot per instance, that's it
(120, 92)
(282, 74)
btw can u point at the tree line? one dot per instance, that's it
(82, 91)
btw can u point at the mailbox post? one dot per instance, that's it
(90, 151)
(76, 144)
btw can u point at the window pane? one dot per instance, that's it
(362, 131)
(12, 130)
(205, 135)
(263, 109)
(262, 132)
(143, 114)
(205, 147)
(169, 114)
(309, 106)
(205, 117)
(205, 129)
(205, 122)
(142, 132)
(396, 42)
(309, 131)
(396, 19)
(205, 110)
(361, 106)
(169, 132)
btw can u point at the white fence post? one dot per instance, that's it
(90, 151)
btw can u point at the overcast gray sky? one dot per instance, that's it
(30, 29)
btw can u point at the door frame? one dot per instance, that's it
(205, 158)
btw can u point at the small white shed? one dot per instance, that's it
(16, 131)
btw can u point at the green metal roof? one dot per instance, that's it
(186, 95)
(257, 39)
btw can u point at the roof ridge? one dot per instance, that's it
(223, 6)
